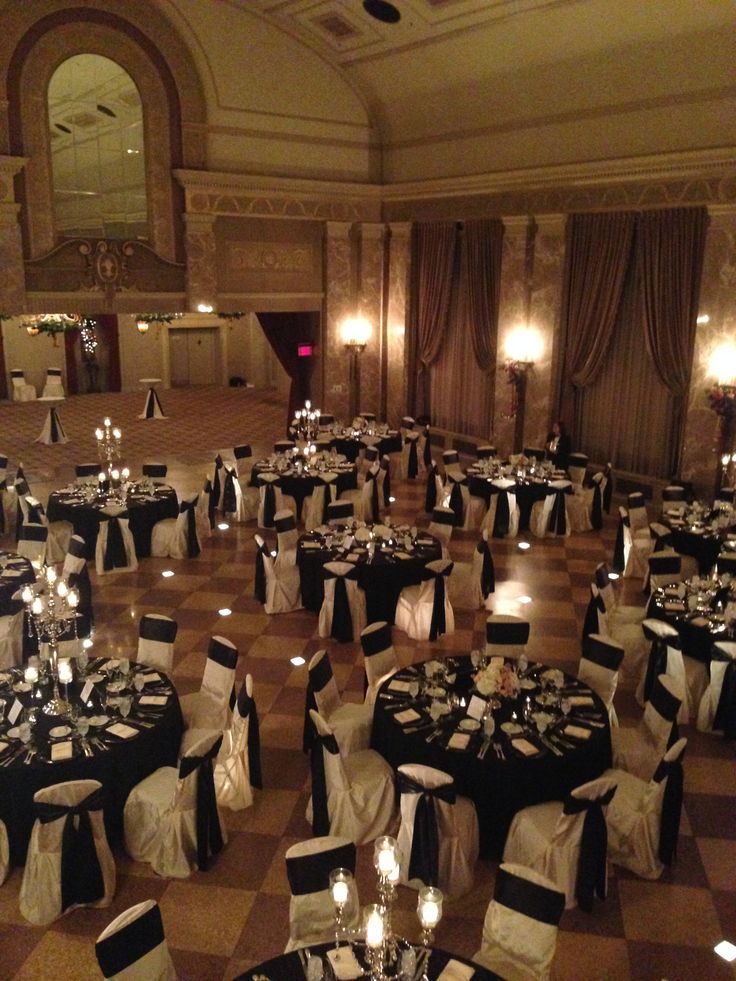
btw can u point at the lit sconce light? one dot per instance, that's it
(523, 348)
(141, 326)
(205, 308)
(722, 365)
(355, 333)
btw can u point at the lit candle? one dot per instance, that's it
(50, 575)
(106, 422)
(31, 674)
(73, 598)
(65, 671)
(62, 589)
(374, 928)
(430, 914)
(101, 477)
(340, 892)
(308, 404)
(115, 475)
(26, 594)
(116, 433)
(125, 472)
(98, 433)
(37, 606)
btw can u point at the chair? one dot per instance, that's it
(278, 590)
(438, 834)
(410, 456)
(340, 512)
(7, 502)
(205, 510)
(552, 516)
(270, 499)
(450, 461)
(11, 640)
(506, 635)
(156, 636)
(76, 573)
(115, 549)
(238, 764)
(32, 538)
(424, 448)
(664, 567)
(717, 708)
(250, 497)
(486, 452)
(154, 471)
(425, 612)
(673, 493)
(379, 657)
(457, 498)
(534, 453)
(324, 493)
(472, 583)
(577, 467)
(178, 537)
(521, 923)
(69, 862)
(384, 482)
(22, 391)
(566, 841)
(598, 668)
(133, 947)
(342, 615)
(209, 707)
(441, 525)
(85, 472)
(365, 498)
(171, 818)
(637, 749)
(435, 489)
(666, 657)
(311, 907)
(4, 853)
(233, 506)
(632, 548)
(350, 722)
(352, 795)
(53, 387)
(287, 538)
(502, 516)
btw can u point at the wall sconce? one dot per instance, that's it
(355, 332)
(523, 347)
(204, 308)
(722, 365)
(142, 326)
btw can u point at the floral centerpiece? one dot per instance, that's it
(497, 678)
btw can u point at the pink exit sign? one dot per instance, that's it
(304, 350)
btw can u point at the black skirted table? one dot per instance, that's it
(502, 780)
(350, 446)
(143, 510)
(698, 615)
(383, 570)
(527, 490)
(119, 762)
(300, 484)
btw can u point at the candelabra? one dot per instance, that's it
(306, 423)
(52, 610)
(109, 452)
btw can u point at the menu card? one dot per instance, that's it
(153, 700)
(459, 740)
(62, 751)
(577, 732)
(123, 731)
(525, 747)
(407, 716)
(476, 707)
(15, 709)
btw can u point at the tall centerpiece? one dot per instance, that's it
(51, 605)
(109, 451)
(306, 423)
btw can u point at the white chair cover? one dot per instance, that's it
(69, 862)
(233, 501)
(209, 708)
(632, 547)
(665, 567)
(666, 657)
(342, 615)
(521, 923)
(311, 909)
(250, 497)
(4, 853)
(431, 812)
(278, 590)
(22, 391)
(410, 456)
(577, 466)
(598, 668)
(156, 636)
(637, 749)
(11, 640)
(160, 815)
(32, 538)
(133, 947)
(502, 516)
(379, 657)
(350, 722)
(441, 525)
(238, 766)
(506, 635)
(643, 818)
(352, 796)
(471, 584)
(315, 507)
(340, 512)
(270, 499)
(365, 499)
(552, 516)
(178, 537)
(53, 387)
(717, 708)
(287, 537)
(206, 510)
(115, 549)
(457, 498)
(566, 841)
(425, 612)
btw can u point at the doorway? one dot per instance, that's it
(193, 356)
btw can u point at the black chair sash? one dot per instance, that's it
(209, 832)
(488, 572)
(725, 717)
(115, 556)
(259, 583)
(320, 813)
(269, 504)
(284, 524)
(311, 873)
(656, 665)
(502, 518)
(342, 620)
(36, 512)
(154, 628)
(440, 517)
(211, 502)
(617, 562)
(329, 496)
(557, 523)
(456, 502)
(130, 944)
(590, 623)
(507, 631)
(667, 704)
(229, 498)
(222, 654)
(319, 676)
(605, 655)
(81, 874)
(248, 711)
(413, 464)
(669, 828)
(438, 625)
(242, 452)
(528, 898)
(425, 842)
(607, 491)
(189, 508)
(216, 484)
(596, 510)
(375, 509)
(430, 497)
(427, 452)
(386, 484)
(591, 874)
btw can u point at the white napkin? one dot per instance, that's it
(353, 557)
(407, 716)
(153, 700)
(402, 686)
(61, 751)
(525, 747)
(401, 555)
(10, 573)
(455, 971)
(123, 731)
(577, 732)
(458, 740)
(150, 678)
(345, 964)
(581, 700)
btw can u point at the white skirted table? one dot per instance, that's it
(152, 408)
(52, 431)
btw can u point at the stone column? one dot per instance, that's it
(397, 312)
(371, 304)
(339, 303)
(12, 276)
(201, 260)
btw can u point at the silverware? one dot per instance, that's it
(550, 745)
(484, 748)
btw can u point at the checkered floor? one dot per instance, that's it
(223, 921)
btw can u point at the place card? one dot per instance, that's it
(526, 748)
(458, 740)
(345, 964)
(153, 700)
(577, 732)
(86, 691)
(580, 700)
(476, 707)
(15, 709)
(122, 731)
(406, 717)
(62, 751)
(455, 971)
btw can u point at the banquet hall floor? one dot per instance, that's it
(220, 922)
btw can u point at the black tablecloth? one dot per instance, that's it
(118, 769)
(143, 515)
(300, 486)
(698, 630)
(350, 446)
(499, 788)
(10, 584)
(527, 493)
(382, 579)
(702, 547)
(288, 967)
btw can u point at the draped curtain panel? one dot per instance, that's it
(434, 260)
(284, 331)
(107, 329)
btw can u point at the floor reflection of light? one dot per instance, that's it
(297, 661)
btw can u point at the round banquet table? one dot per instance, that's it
(350, 446)
(527, 490)
(288, 967)
(700, 627)
(15, 571)
(499, 783)
(381, 577)
(300, 485)
(118, 763)
(144, 510)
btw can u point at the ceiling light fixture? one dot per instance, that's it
(382, 10)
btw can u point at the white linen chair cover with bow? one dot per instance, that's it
(637, 749)
(156, 636)
(287, 537)
(350, 721)
(115, 549)
(32, 538)
(434, 493)
(664, 567)
(379, 657)
(342, 615)
(717, 708)
(598, 668)
(566, 841)
(643, 818)
(633, 547)
(666, 657)
(577, 467)
(438, 834)
(340, 512)
(22, 390)
(457, 498)
(59, 532)
(441, 525)
(324, 493)
(53, 387)
(506, 635)
(238, 765)
(76, 573)
(270, 499)
(69, 862)
(278, 590)
(352, 795)
(471, 584)
(171, 818)
(521, 925)
(209, 708)
(11, 640)
(502, 516)
(552, 516)
(311, 907)
(178, 538)
(365, 499)
(8, 502)
(425, 612)
(250, 497)
(133, 947)
(233, 502)
(205, 510)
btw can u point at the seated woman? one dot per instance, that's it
(559, 446)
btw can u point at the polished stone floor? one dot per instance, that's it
(220, 922)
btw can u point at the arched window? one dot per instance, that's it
(97, 150)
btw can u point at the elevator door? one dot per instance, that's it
(193, 356)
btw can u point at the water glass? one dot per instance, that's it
(82, 726)
(126, 703)
(24, 732)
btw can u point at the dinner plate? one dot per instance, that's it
(22, 686)
(469, 725)
(58, 732)
(511, 728)
(99, 720)
(527, 684)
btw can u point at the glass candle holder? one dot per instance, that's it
(340, 885)
(429, 912)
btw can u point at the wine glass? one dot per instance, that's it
(125, 704)
(124, 667)
(489, 725)
(139, 683)
(565, 706)
(24, 733)
(82, 661)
